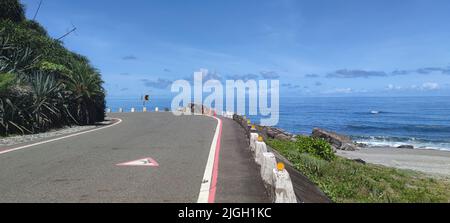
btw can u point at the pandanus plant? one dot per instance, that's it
(84, 85)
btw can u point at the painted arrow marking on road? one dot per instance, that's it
(141, 162)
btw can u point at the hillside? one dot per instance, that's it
(43, 85)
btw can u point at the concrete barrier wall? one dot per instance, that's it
(284, 191)
(131, 110)
(260, 148)
(228, 115)
(277, 182)
(190, 110)
(243, 122)
(253, 139)
(269, 163)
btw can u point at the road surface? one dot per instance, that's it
(84, 168)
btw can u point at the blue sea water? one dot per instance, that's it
(379, 121)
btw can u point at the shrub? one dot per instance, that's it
(6, 81)
(316, 147)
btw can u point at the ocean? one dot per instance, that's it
(423, 122)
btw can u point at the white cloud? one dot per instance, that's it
(340, 91)
(430, 86)
(394, 87)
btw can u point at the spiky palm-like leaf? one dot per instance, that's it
(48, 99)
(84, 85)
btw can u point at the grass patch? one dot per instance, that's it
(346, 181)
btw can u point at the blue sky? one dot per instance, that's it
(314, 47)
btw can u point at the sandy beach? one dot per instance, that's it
(434, 162)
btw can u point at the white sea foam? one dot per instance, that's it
(378, 142)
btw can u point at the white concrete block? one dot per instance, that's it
(133, 110)
(253, 139)
(120, 110)
(259, 150)
(156, 109)
(185, 111)
(269, 163)
(284, 191)
(228, 114)
(144, 109)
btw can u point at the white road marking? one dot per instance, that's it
(203, 196)
(141, 162)
(56, 139)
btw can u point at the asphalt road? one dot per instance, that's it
(84, 168)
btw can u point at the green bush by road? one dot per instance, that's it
(349, 181)
(42, 84)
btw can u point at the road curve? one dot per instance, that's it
(84, 168)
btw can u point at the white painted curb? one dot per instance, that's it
(284, 191)
(259, 150)
(269, 163)
(253, 139)
(205, 187)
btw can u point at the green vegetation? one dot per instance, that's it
(42, 84)
(12, 10)
(315, 147)
(349, 181)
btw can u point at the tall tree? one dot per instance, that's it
(12, 10)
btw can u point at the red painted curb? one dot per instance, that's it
(212, 190)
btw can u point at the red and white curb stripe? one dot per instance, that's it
(209, 185)
(63, 137)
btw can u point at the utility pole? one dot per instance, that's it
(37, 11)
(71, 31)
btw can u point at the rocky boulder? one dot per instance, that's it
(276, 133)
(337, 141)
(406, 147)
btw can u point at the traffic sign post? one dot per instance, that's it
(145, 98)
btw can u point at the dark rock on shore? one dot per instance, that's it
(361, 145)
(265, 131)
(279, 134)
(337, 141)
(406, 147)
(360, 161)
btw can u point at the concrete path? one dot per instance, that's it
(239, 178)
(84, 168)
